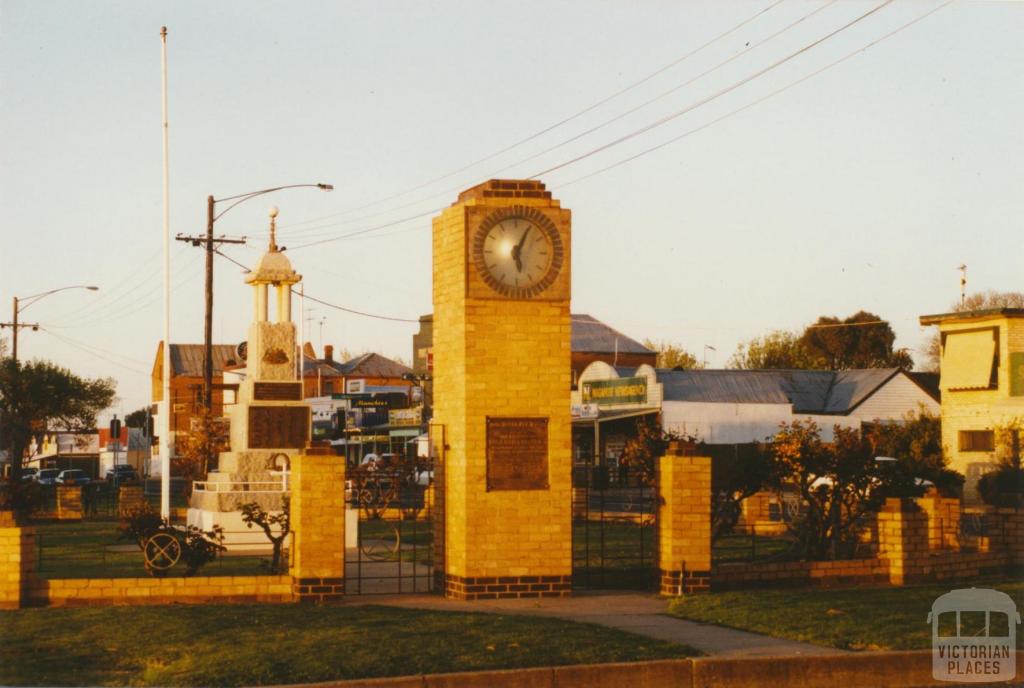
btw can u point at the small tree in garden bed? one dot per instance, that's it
(839, 482)
(275, 526)
(641, 453)
(1004, 487)
(916, 444)
(738, 471)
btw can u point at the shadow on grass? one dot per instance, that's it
(254, 645)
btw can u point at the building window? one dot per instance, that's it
(977, 440)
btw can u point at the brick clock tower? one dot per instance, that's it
(501, 391)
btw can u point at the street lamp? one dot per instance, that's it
(26, 301)
(20, 305)
(211, 218)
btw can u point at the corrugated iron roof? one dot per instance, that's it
(809, 391)
(372, 365)
(187, 359)
(591, 335)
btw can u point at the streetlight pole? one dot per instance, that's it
(20, 305)
(208, 242)
(24, 302)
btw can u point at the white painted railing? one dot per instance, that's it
(268, 487)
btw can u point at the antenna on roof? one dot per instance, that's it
(963, 284)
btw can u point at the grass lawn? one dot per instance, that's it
(235, 645)
(851, 618)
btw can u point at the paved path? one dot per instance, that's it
(637, 613)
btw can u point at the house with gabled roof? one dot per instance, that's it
(741, 406)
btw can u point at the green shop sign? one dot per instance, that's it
(624, 390)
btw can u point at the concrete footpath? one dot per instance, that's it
(641, 614)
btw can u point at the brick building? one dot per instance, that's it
(982, 380)
(325, 376)
(187, 381)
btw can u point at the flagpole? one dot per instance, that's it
(165, 424)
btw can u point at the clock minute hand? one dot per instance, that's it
(518, 249)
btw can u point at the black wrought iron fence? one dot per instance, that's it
(96, 549)
(614, 534)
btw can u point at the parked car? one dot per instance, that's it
(28, 474)
(73, 476)
(121, 473)
(47, 476)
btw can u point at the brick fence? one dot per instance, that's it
(915, 541)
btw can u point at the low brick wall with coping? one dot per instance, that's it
(914, 544)
(800, 573)
(137, 591)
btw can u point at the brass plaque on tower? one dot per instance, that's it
(277, 391)
(517, 453)
(279, 427)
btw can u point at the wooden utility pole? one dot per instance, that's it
(209, 242)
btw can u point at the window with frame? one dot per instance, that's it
(977, 440)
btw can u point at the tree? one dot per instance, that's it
(838, 481)
(916, 444)
(137, 418)
(672, 355)
(206, 438)
(275, 526)
(777, 350)
(39, 396)
(862, 340)
(978, 301)
(738, 471)
(1005, 486)
(640, 454)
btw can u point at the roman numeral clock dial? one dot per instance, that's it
(517, 252)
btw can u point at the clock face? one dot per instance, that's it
(517, 252)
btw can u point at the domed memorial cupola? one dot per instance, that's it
(272, 347)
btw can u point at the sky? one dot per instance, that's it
(731, 167)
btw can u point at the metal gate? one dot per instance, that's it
(614, 531)
(391, 550)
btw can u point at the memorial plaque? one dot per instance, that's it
(279, 427)
(517, 453)
(277, 391)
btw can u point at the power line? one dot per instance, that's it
(708, 99)
(87, 349)
(326, 303)
(672, 90)
(311, 230)
(355, 312)
(557, 124)
(759, 100)
(649, 127)
(427, 213)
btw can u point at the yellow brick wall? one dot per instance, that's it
(318, 516)
(138, 591)
(981, 409)
(499, 358)
(684, 515)
(17, 563)
(69, 503)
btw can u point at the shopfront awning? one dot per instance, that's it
(606, 416)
